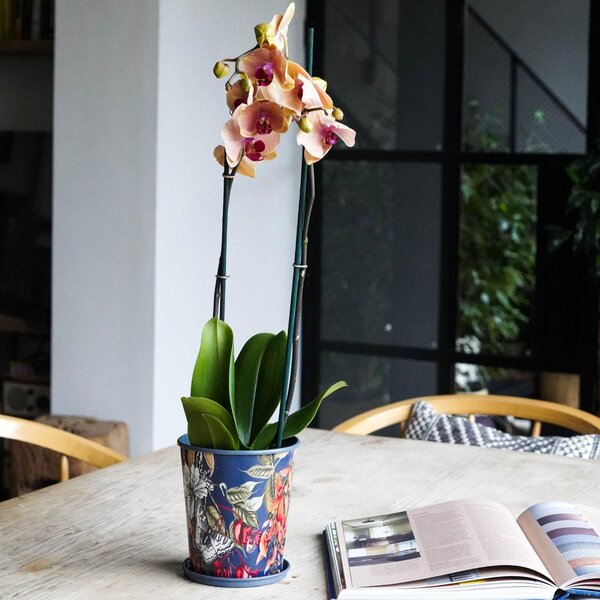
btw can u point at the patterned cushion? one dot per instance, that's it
(428, 424)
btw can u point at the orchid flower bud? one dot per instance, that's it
(263, 33)
(220, 69)
(244, 82)
(305, 125)
(337, 113)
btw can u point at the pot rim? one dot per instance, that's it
(292, 444)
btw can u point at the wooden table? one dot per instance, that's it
(120, 532)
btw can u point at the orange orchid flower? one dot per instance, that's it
(236, 95)
(243, 150)
(325, 132)
(245, 166)
(278, 28)
(261, 118)
(265, 66)
(306, 92)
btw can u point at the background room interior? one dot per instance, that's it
(434, 233)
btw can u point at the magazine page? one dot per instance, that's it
(566, 537)
(437, 540)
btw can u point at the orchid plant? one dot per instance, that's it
(233, 399)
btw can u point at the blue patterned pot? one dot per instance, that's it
(236, 504)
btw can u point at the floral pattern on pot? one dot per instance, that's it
(237, 505)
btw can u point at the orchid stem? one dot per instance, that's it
(291, 351)
(298, 317)
(221, 281)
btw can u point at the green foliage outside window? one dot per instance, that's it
(496, 254)
(497, 248)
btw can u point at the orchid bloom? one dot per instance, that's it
(244, 150)
(236, 95)
(245, 166)
(261, 118)
(278, 28)
(325, 132)
(269, 92)
(307, 92)
(264, 66)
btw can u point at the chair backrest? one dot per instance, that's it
(65, 443)
(538, 411)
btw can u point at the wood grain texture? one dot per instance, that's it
(119, 533)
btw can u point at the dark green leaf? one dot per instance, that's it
(297, 421)
(209, 407)
(270, 382)
(247, 369)
(208, 432)
(213, 372)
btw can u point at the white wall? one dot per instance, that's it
(138, 206)
(104, 212)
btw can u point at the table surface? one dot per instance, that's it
(121, 532)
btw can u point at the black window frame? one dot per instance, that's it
(451, 158)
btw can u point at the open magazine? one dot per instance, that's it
(467, 549)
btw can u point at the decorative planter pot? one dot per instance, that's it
(236, 504)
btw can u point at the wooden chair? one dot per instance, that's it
(538, 411)
(65, 443)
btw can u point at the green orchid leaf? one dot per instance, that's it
(297, 421)
(209, 407)
(247, 369)
(208, 432)
(270, 382)
(213, 372)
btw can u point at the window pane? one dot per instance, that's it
(526, 73)
(380, 253)
(494, 380)
(542, 125)
(497, 251)
(487, 97)
(385, 61)
(372, 381)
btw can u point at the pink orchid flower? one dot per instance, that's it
(325, 132)
(243, 150)
(278, 28)
(236, 95)
(261, 118)
(306, 93)
(245, 167)
(264, 66)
